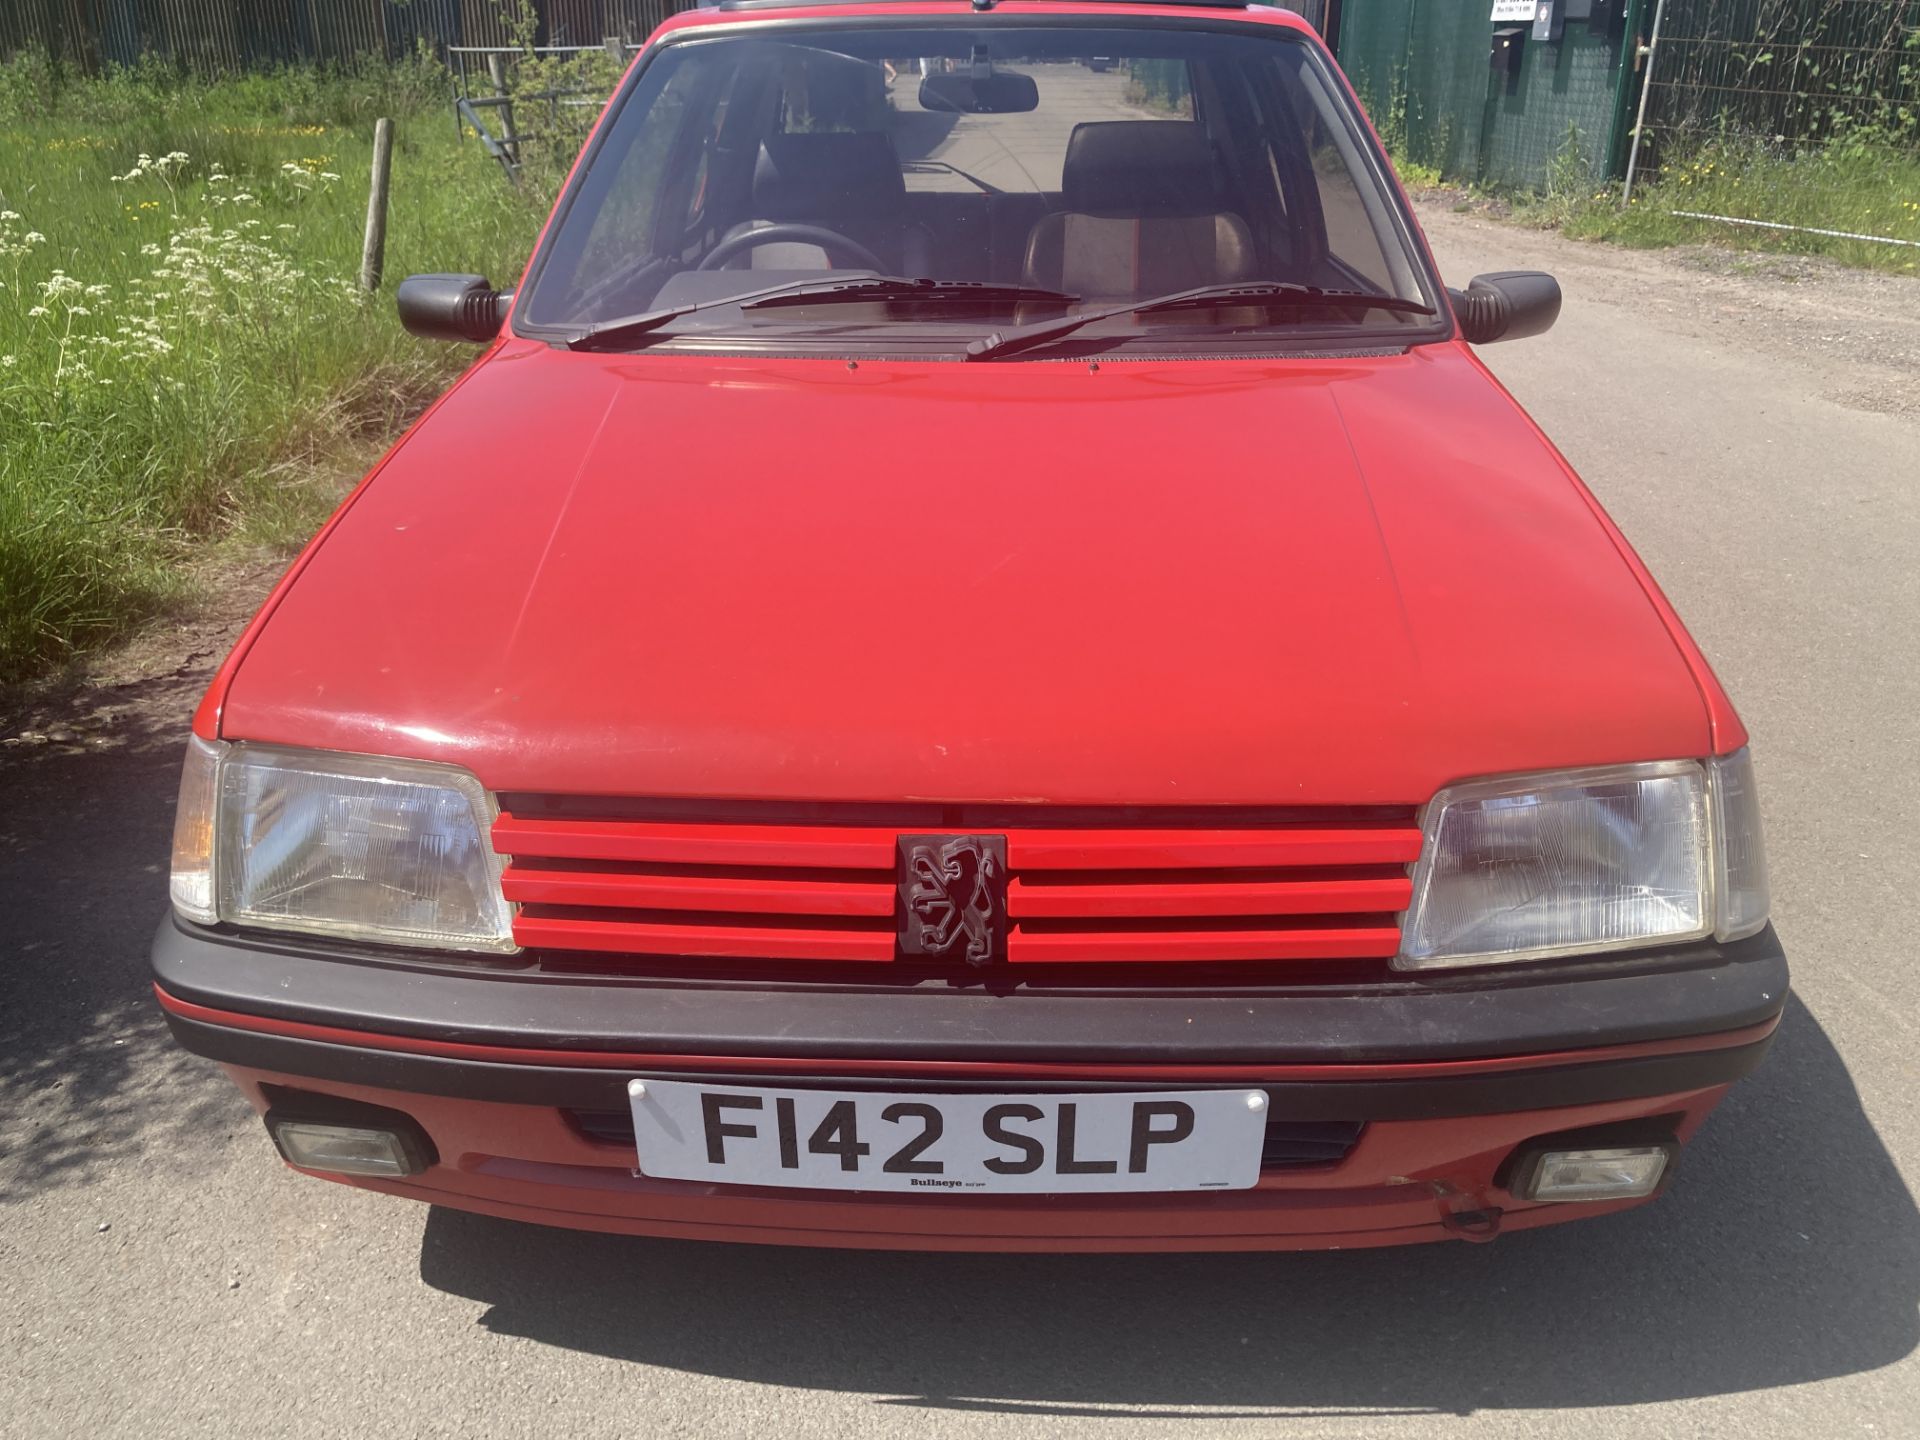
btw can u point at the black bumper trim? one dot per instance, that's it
(1697, 990)
(577, 1088)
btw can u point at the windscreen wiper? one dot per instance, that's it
(1266, 294)
(890, 290)
(865, 287)
(928, 167)
(612, 331)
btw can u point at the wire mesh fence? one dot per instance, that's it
(224, 35)
(1797, 74)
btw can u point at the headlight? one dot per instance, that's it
(1579, 861)
(351, 846)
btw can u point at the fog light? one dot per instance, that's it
(346, 1149)
(1624, 1173)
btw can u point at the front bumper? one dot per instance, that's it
(1450, 1077)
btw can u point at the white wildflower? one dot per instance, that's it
(7, 362)
(36, 312)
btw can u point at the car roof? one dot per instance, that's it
(712, 12)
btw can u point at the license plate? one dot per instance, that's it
(886, 1140)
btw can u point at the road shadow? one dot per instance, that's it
(89, 1077)
(1788, 1250)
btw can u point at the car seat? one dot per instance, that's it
(846, 181)
(1142, 215)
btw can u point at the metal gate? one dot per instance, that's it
(505, 116)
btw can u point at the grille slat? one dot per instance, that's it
(1083, 947)
(1129, 893)
(642, 891)
(1209, 849)
(802, 846)
(644, 937)
(1026, 899)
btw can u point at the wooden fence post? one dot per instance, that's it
(373, 257)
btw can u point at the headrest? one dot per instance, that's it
(833, 175)
(1134, 168)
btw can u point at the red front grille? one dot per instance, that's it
(1292, 890)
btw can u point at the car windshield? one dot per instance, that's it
(1031, 171)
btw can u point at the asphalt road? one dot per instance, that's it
(1759, 439)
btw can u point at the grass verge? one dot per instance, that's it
(1862, 190)
(1863, 193)
(184, 349)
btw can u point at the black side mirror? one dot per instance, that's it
(452, 307)
(1004, 92)
(1509, 305)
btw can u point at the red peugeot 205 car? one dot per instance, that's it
(977, 664)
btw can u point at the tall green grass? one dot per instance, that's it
(1863, 185)
(184, 350)
(1865, 190)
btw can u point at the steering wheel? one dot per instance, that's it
(831, 241)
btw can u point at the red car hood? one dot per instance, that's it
(1340, 581)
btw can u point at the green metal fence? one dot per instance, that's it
(215, 35)
(1422, 68)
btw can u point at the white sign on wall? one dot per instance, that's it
(1512, 10)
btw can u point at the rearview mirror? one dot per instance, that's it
(452, 307)
(1507, 305)
(1001, 93)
